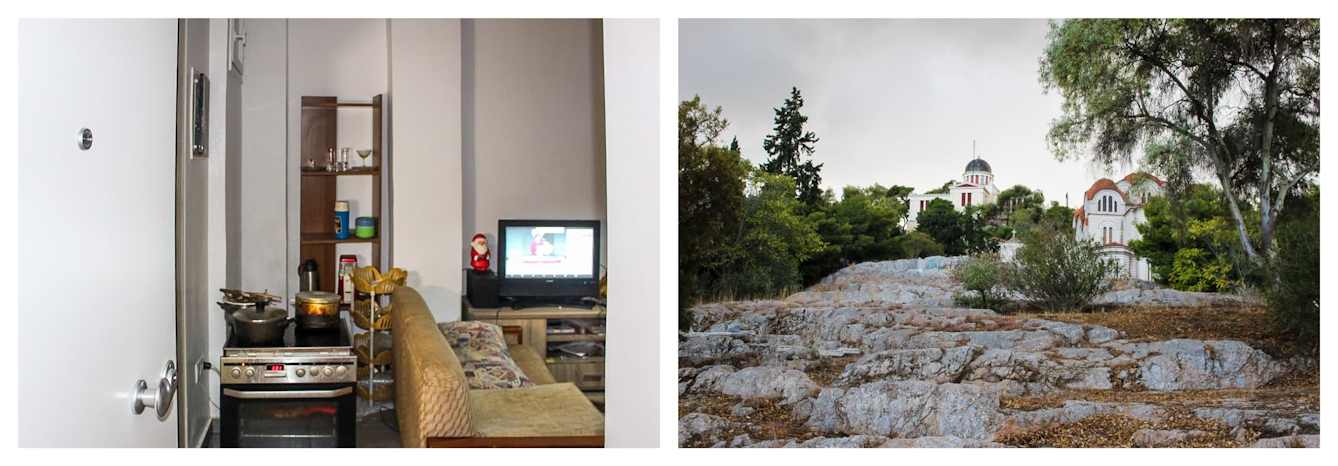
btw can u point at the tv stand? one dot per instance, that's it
(564, 301)
(585, 321)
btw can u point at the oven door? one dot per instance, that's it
(288, 416)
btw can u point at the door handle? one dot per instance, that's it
(160, 397)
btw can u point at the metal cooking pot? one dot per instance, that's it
(260, 324)
(317, 309)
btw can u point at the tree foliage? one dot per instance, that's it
(1235, 98)
(865, 225)
(773, 240)
(1189, 242)
(983, 281)
(957, 232)
(789, 145)
(710, 200)
(1294, 303)
(918, 244)
(942, 189)
(1059, 273)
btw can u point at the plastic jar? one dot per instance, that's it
(365, 227)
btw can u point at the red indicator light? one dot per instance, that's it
(274, 368)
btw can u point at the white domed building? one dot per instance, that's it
(976, 188)
(1109, 213)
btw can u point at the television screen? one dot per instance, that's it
(540, 252)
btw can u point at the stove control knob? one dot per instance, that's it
(341, 370)
(301, 372)
(236, 373)
(250, 372)
(327, 371)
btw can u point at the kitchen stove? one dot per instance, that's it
(304, 356)
(297, 392)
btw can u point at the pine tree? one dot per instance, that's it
(788, 145)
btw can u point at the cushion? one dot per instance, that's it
(553, 410)
(481, 348)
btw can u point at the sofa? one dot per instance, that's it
(436, 407)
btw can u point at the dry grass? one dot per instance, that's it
(1117, 431)
(827, 369)
(1245, 324)
(768, 421)
(1302, 398)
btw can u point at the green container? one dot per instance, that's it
(365, 227)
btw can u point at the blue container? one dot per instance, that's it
(342, 223)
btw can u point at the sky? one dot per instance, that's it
(893, 102)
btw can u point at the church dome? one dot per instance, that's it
(978, 165)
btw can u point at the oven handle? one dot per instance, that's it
(307, 394)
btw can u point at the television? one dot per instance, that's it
(545, 262)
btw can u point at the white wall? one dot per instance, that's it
(225, 145)
(344, 58)
(264, 181)
(632, 84)
(425, 134)
(533, 128)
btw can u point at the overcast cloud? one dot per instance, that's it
(894, 102)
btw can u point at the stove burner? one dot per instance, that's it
(297, 336)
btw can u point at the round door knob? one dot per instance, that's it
(301, 372)
(250, 372)
(236, 373)
(327, 371)
(341, 370)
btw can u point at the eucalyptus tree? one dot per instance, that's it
(1237, 99)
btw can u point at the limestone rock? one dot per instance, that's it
(705, 380)
(908, 409)
(701, 426)
(1098, 335)
(1294, 441)
(931, 364)
(1197, 365)
(769, 382)
(939, 442)
(704, 347)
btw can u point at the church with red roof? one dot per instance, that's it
(1109, 213)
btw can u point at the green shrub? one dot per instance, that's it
(982, 280)
(918, 244)
(1195, 270)
(1058, 273)
(1293, 300)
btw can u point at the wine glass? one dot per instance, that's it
(364, 153)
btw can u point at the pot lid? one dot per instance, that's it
(253, 315)
(316, 297)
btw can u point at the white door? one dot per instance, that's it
(96, 227)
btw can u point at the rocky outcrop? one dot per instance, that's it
(1294, 441)
(907, 409)
(930, 375)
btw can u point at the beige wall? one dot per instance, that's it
(344, 58)
(424, 113)
(533, 114)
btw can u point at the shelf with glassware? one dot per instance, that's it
(323, 169)
(570, 339)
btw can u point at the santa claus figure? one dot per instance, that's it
(478, 254)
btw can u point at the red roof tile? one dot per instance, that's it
(1130, 178)
(1101, 184)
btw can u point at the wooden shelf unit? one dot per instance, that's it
(587, 373)
(320, 123)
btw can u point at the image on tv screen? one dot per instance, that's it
(549, 252)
